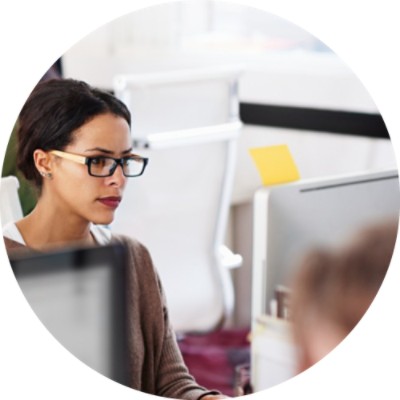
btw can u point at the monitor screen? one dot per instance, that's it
(79, 296)
(292, 219)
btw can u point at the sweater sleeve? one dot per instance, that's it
(174, 379)
(164, 371)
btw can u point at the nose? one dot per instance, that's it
(117, 178)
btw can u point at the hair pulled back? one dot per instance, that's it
(53, 112)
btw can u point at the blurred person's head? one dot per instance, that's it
(333, 288)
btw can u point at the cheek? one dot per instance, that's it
(88, 189)
(76, 185)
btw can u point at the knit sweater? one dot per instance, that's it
(156, 364)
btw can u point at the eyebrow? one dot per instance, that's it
(108, 151)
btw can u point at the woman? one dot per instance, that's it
(74, 144)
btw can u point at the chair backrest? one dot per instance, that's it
(179, 207)
(179, 100)
(10, 205)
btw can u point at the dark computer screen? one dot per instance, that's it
(79, 295)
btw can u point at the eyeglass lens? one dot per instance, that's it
(105, 166)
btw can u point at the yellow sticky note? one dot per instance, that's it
(275, 164)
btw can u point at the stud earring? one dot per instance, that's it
(47, 175)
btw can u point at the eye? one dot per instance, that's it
(99, 161)
(127, 160)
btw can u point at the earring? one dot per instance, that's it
(47, 175)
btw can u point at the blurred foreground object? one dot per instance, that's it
(333, 289)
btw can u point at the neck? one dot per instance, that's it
(46, 227)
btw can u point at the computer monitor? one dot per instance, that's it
(291, 219)
(79, 296)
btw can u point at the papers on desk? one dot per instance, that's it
(273, 353)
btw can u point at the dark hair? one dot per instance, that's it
(53, 112)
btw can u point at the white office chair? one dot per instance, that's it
(10, 205)
(179, 207)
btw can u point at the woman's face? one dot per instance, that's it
(79, 195)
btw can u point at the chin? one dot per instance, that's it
(103, 219)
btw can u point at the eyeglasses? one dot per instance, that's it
(102, 166)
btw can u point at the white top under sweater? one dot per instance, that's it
(101, 234)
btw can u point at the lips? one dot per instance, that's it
(111, 202)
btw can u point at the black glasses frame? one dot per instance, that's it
(117, 161)
(89, 160)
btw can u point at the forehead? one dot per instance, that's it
(107, 131)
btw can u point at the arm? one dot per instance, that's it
(157, 364)
(174, 379)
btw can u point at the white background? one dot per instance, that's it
(34, 34)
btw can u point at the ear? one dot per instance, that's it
(43, 161)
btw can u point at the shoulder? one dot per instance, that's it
(131, 243)
(12, 244)
(104, 236)
(14, 247)
(137, 252)
(12, 237)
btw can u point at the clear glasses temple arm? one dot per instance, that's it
(68, 156)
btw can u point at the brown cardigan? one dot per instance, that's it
(155, 359)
